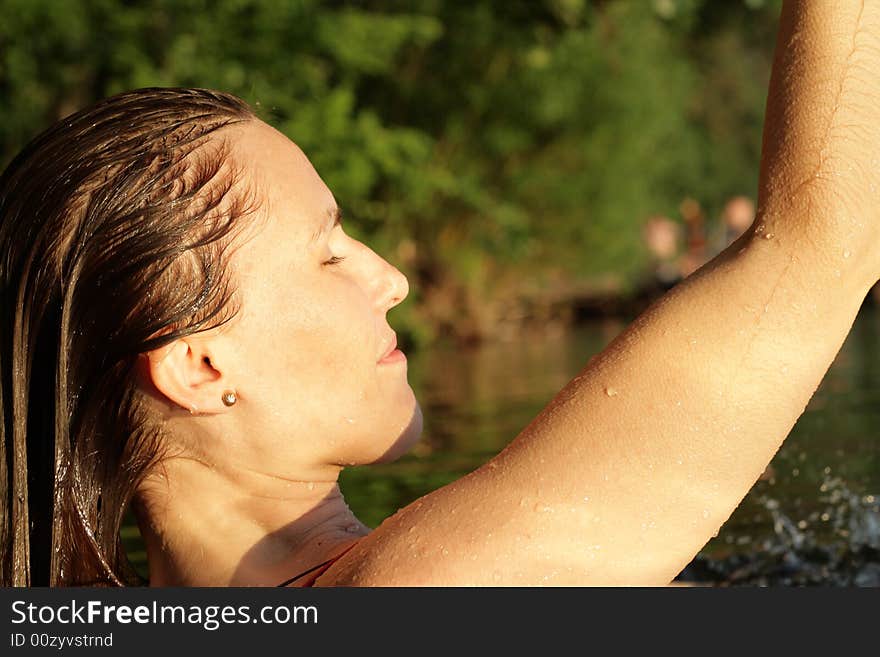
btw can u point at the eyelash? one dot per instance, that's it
(335, 260)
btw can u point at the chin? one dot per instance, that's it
(406, 438)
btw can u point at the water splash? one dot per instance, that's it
(836, 545)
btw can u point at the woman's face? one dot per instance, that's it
(305, 353)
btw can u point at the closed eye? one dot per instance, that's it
(335, 260)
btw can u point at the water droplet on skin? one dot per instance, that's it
(837, 273)
(610, 392)
(350, 420)
(311, 485)
(705, 513)
(586, 499)
(768, 236)
(846, 254)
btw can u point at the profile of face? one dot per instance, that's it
(307, 352)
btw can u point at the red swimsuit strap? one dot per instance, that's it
(317, 571)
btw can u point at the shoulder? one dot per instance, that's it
(434, 542)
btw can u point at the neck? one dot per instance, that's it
(253, 529)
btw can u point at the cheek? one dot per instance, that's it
(328, 338)
(314, 349)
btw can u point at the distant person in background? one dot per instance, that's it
(662, 237)
(739, 213)
(736, 217)
(696, 254)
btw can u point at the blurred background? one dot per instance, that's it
(540, 170)
(507, 155)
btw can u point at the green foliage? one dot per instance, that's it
(487, 148)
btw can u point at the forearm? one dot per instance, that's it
(820, 160)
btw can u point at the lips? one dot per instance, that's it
(392, 345)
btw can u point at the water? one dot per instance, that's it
(813, 518)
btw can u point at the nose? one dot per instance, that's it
(394, 287)
(388, 285)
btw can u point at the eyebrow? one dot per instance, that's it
(335, 220)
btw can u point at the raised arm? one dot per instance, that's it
(639, 460)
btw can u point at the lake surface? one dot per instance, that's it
(812, 519)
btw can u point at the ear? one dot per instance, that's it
(183, 372)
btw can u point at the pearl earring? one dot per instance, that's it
(229, 398)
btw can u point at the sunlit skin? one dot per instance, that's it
(625, 475)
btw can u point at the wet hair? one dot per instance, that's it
(114, 223)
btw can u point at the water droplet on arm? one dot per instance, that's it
(610, 392)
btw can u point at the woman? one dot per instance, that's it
(187, 327)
